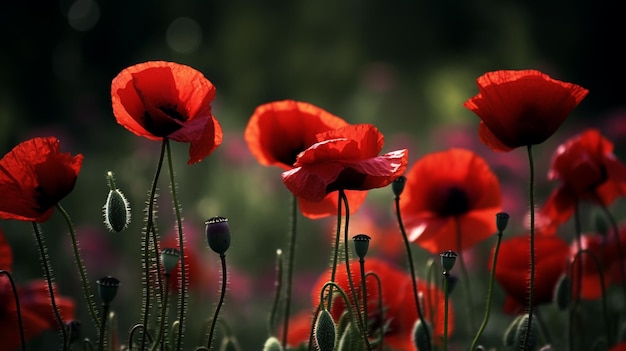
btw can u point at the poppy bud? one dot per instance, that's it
(600, 223)
(509, 333)
(229, 344)
(562, 293)
(361, 245)
(325, 331)
(398, 185)
(448, 258)
(169, 259)
(116, 209)
(272, 344)
(351, 339)
(522, 331)
(218, 234)
(502, 219)
(74, 329)
(421, 335)
(107, 289)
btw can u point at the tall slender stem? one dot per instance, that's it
(17, 307)
(363, 291)
(150, 235)
(446, 276)
(181, 246)
(531, 287)
(333, 269)
(618, 244)
(407, 247)
(161, 331)
(291, 251)
(102, 326)
(489, 293)
(220, 302)
(469, 300)
(87, 293)
(45, 260)
(279, 285)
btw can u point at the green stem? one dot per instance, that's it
(291, 251)
(618, 243)
(446, 275)
(346, 300)
(161, 331)
(543, 327)
(279, 283)
(355, 298)
(531, 287)
(17, 307)
(45, 260)
(407, 247)
(181, 241)
(333, 269)
(489, 293)
(379, 286)
(220, 302)
(469, 300)
(150, 235)
(87, 293)
(364, 292)
(105, 311)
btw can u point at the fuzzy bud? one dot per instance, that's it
(522, 331)
(107, 289)
(169, 259)
(218, 234)
(361, 245)
(421, 335)
(272, 344)
(116, 209)
(351, 339)
(562, 293)
(325, 331)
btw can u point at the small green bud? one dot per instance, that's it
(502, 220)
(398, 185)
(421, 335)
(448, 258)
(562, 293)
(325, 331)
(116, 211)
(229, 344)
(107, 289)
(509, 333)
(169, 259)
(272, 344)
(218, 234)
(361, 245)
(520, 334)
(351, 339)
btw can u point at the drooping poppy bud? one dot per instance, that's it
(325, 331)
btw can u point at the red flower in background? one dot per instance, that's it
(584, 270)
(512, 273)
(34, 297)
(450, 200)
(399, 311)
(279, 131)
(159, 100)
(520, 108)
(345, 158)
(588, 171)
(34, 177)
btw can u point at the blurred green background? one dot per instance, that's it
(406, 66)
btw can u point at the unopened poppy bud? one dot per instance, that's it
(398, 185)
(351, 338)
(169, 259)
(502, 220)
(218, 234)
(107, 289)
(562, 293)
(600, 223)
(74, 329)
(522, 332)
(325, 331)
(361, 245)
(509, 333)
(116, 209)
(546, 348)
(421, 335)
(272, 344)
(229, 344)
(448, 258)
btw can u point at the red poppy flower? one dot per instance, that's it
(159, 100)
(344, 158)
(34, 177)
(34, 297)
(512, 272)
(520, 108)
(399, 312)
(585, 269)
(588, 171)
(279, 131)
(450, 200)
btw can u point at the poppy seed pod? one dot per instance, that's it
(448, 258)
(502, 220)
(361, 245)
(218, 234)
(107, 289)
(398, 185)
(169, 259)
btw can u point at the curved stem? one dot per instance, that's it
(407, 246)
(279, 283)
(17, 307)
(220, 302)
(150, 235)
(161, 331)
(489, 293)
(181, 246)
(531, 287)
(291, 251)
(105, 311)
(45, 260)
(333, 269)
(380, 308)
(87, 293)
(469, 300)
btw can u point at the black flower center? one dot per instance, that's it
(454, 202)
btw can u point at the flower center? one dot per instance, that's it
(454, 202)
